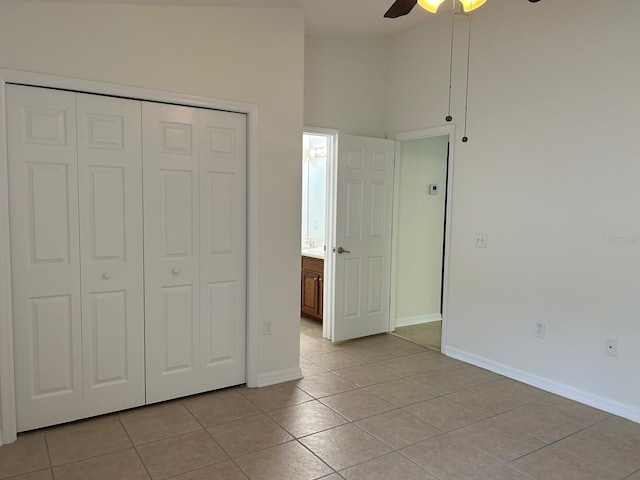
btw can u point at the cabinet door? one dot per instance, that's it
(310, 289)
(172, 250)
(43, 194)
(110, 192)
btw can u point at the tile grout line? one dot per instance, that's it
(135, 449)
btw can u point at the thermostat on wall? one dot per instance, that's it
(433, 189)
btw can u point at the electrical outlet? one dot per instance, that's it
(481, 240)
(268, 328)
(540, 330)
(611, 347)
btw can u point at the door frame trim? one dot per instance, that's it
(440, 131)
(8, 429)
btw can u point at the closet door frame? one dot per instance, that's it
(8, 432)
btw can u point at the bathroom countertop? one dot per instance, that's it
(315, 252)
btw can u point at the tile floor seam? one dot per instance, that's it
(380, 456)
(554, 445)
(312, 433)
(617, 477)
(92, 457)
(238, 467)
(400, 406)
(222, 423)
(255, 451)
(196, 469)
(422, 467)
(134, 447)
(406, 446)
(46, 446)
(333, 470)
(148, 442)
(252, 402)
(478, 411)
(529, 433)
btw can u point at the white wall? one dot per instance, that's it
(346, 81)
(419, 231)
(247, 55)
(550, 173)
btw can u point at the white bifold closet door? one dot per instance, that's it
(76, 252)
(194, 165)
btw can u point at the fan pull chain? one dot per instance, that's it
(449, 118)
(466, 100)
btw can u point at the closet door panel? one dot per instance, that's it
(172, 250)
(222, 247)
(43, 197)
(111, 239)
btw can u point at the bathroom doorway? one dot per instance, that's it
(317, 155)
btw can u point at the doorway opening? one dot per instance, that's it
(420, 211)
(316, 231)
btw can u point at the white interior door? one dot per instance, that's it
(222, 248)
(194, 165)
(45, 255)
(362, 248)
(76, 229)
(172, 250)
(110, 192)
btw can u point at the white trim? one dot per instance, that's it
(418, 320)
(7, 386)
(253, 248)
(425, 133)
(273, 378)
(7, 383)
(320, 131)
(393, 321)
(414, 135)
(632, 412)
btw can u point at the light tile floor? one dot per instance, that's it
(379, 408)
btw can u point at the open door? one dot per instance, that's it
(360, 247)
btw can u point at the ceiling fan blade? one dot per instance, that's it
(400, 8)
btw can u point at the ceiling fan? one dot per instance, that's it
(403, 7)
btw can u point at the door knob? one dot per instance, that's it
(342, 250)
(176, 271)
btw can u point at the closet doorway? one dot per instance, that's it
(420, 211)
(85, 337)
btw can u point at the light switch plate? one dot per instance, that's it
(481, 240)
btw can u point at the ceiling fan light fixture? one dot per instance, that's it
(430, 5)
(469, 5)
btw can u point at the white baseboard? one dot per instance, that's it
(630, 412)
(408, 321)
(281, 376)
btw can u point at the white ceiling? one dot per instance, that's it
(322, 17)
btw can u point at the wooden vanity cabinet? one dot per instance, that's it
(312, 286)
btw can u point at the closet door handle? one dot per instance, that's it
(106, 276)
(176, 271)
